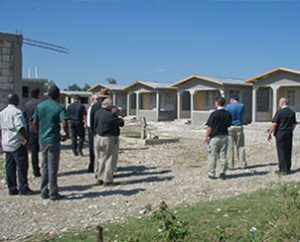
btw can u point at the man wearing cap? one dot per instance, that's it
(107, 127)
(236, 139)
(47, 118)
(77, 118)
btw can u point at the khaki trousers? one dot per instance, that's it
(236, 142)
(106, 157)
(218, 149)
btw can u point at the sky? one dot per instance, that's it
(154, 40)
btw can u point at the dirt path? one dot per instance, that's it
(173, 172)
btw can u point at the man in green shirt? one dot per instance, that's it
(47, 118)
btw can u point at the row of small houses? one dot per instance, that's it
(193, 97)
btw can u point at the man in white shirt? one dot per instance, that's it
(94, 99)
(14, 139)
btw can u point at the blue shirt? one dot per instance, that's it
(237, 112)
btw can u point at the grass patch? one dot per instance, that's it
(265, 215)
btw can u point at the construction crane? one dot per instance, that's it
(45, 45)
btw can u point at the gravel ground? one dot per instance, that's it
(174, 172)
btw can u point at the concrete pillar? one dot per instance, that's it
(275, 101)
(157, 105)
(254, 104)
(137, 103)
(128, 104)
(178, 104)
(192, 104)
(114, 99)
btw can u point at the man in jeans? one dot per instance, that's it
(47, 118)
(217, 137)
(30, 106)
(14, 139)
(236, 139)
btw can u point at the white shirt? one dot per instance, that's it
(88, 118)
(11, 121)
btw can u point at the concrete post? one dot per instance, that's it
(192, 104)
(137, 103)
(128, 104)
(157, 105)
(275, 101)
(254, 104)
(178, 104)
(114, 99)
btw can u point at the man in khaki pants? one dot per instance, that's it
(107, 127)
(236, 133)
(216, 138)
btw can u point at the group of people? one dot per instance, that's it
(38, 127)
(225, 135)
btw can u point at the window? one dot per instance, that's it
(25, 91)
(186, 101)
(234, 92)
(263, 99)
(84, 100)
(210, 97)
(291, 96)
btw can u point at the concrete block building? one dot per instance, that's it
(269, 87)
(196, 95)
(10, 66)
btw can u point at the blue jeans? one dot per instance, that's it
(17, 162)
(50, 164)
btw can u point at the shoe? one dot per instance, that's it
(57, 197)
(222, 176)
(81, 153)
(281, 173)
(44, 196)
(26, 192)
(212, 177)
(108, 184)
(13, 192)
(99, 182)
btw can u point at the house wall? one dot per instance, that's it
(150, 115)
(200, 117)
(10, 66)
(31, 84)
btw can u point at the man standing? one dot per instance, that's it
(14, 140)
(236, 138)
(216, 137)
(33, 140)
(107, 127)
(94, 99)
(282, 126)
(77, 117)
(47, 117)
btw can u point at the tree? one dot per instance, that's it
(111, 80)
(86, 87)
(73, 87)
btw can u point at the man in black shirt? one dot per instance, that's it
(77, 117)
(282, 126)
(107, 127)
(33, 135)
(216, 137)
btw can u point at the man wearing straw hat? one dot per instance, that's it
(107, 127)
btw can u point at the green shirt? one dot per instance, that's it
(49, 114)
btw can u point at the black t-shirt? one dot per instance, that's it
(285, 119)
(76, 112)
(219, 121)
(29, 110)
(106, 123)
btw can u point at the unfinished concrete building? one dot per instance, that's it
(10, 66)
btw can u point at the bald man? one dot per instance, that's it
(282, 127)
